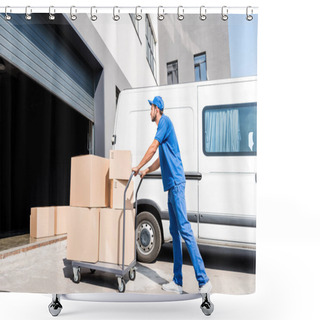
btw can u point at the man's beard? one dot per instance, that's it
(153, 119)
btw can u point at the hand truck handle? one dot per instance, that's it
(124, 214)
(138, 191)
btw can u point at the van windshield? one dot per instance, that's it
(230, 130)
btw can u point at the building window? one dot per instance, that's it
(150, 46)
(230, 130)
(135, 23)
(200, 67)
(172, 72)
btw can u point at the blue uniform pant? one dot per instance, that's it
(180, 226)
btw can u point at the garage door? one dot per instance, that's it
(52, 53)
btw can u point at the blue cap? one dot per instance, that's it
(157, 101)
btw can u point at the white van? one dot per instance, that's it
(216, 126)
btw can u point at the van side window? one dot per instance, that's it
(230, 130)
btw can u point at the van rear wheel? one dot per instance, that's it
(148, 237)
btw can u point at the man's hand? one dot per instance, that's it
(136, 170)
(144, 172)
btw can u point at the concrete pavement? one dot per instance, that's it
(46, 270)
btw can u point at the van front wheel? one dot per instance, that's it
(148, 237)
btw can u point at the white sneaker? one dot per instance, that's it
(206, 288)
(172, 287)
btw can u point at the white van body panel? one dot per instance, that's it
(228, 184)
(227, 188)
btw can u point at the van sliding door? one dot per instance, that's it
(227, 162)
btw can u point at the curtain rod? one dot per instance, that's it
(127, 9)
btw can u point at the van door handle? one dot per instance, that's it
(114, 139)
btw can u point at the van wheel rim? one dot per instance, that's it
(145, 237)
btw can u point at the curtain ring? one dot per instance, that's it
(224, 13)
(138, 16)
(94, 17)
(203, 16)
(180, 15)
(116, 17)
(249, 16)
(160, 16)
(51, 15)
(28, 14)
(73, 16)
(7, 17)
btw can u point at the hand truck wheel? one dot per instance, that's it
(76, 275)
(132, 274)
(121, 285)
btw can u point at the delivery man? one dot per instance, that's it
(173, 179)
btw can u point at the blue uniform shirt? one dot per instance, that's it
(170, 160)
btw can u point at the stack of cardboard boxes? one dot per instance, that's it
(94, 219)
(48, 221)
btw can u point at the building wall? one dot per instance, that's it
(122, 52)
(128, 47)
(181, 40)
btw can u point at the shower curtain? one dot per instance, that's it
(75, 87)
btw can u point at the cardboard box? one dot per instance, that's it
(89, 185)
(111, 231)
(117, 188)
(120, 164)
(83, 234)
(42, 222)
(60, 219)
